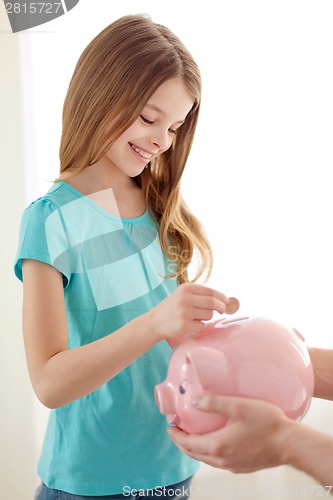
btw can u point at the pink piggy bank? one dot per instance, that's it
(250, 357)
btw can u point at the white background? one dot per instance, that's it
(258, 175)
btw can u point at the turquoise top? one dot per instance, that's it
(113, 271)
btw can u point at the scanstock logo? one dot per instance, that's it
(24, 15)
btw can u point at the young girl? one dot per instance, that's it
(104, 260)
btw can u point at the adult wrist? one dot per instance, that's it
(288, 440)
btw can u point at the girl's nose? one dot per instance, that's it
(161, 140)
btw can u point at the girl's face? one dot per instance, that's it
(154, 130)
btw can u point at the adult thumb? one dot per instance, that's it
(227, 405)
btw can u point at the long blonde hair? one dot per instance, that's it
(114, 77)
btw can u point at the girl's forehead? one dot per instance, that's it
(172, 97)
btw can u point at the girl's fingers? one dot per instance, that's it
(209, 303)
(205, 291)
(202, 314)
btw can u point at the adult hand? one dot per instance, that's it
(253, 438)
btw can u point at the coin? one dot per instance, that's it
(232, 306)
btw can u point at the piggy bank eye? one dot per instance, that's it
(183, 387)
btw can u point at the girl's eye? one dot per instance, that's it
(145, 120)
(151, 122)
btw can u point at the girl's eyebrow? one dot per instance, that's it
(155, 108)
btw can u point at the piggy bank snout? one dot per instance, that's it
(164, 397)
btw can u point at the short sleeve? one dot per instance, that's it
(43, 236)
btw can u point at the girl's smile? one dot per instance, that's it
(145, 155)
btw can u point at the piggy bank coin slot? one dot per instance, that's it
(229, 321)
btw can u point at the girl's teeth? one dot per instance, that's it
(142, 153)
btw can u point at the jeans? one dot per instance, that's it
(177, 491)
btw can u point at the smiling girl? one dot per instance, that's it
(101, 260)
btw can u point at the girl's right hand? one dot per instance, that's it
(182, 313)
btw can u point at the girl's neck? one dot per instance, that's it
(111, 190)
(99, 177)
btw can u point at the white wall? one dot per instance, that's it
(258, 177)
(18, 452)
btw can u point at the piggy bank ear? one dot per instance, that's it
(210, 366)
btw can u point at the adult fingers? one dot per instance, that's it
(192, 443)
(198, 447)
(228, 405)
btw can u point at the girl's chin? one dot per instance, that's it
(134, 172)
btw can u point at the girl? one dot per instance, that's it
(102, 256)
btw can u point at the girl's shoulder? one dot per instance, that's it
(54, 199)
(43, 233)
(44, 214)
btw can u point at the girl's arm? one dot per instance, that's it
(322, 361)
(60, 375)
